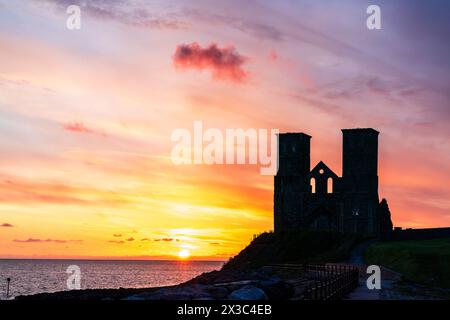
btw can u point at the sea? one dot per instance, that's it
(37, 276)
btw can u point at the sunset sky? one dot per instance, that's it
(86, 116)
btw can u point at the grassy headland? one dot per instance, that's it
(421, 261)
(294, 247)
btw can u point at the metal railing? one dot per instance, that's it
(332, 282)
(327, 282)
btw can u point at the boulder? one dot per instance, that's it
(276, 289)
(234, 285)
(185, 292)
(248, 293)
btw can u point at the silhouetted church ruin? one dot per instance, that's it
(318, 199)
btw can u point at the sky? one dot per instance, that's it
(86, 116)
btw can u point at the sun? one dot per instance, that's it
(184, 254)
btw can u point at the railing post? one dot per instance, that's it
(8, 280)
(315, 291)
(321, 291)
(330, 282)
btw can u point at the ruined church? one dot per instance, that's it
(318, 199)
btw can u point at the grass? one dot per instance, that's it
(422, 261)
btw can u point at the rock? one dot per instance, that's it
(235, 285)
(248, 293)
(135, 297)
(185, 292)
(218, 293)
(276, 289)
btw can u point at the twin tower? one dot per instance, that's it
(318, 199)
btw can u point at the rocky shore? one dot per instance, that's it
(245, 276)
(256, 284)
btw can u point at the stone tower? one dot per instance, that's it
(360, 180)
(291, 180)
(318, 199)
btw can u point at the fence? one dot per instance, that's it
(328, 282)
(332, 282)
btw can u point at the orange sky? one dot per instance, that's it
(86, 118)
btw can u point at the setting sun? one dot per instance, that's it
(184, 254)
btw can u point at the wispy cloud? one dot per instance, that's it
(17, 190)
(129, 13)
(224, 63)
(361, 85)
(165, 239)
(80, 127)
(33, 240)
(116, 241)
(254, 28)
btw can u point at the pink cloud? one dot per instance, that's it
(224, 63)
(273, 55)
(80, 127)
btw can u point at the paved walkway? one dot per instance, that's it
(388, 279)
(363, 293)
(358, 252)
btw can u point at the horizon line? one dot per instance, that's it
(116, 259)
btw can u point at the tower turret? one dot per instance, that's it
(360, 179)
(291, 179)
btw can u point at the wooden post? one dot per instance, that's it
(8, 280)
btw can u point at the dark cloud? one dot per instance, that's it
(224, 63)
(33, 240)
(164, 239)
(116, 241)
(130, 239)
(117, 235)
(6, 225)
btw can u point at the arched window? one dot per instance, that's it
(313, 185)
(330, 185)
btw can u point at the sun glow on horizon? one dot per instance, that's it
(184, 254)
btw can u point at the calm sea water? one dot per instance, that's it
(36, 276)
